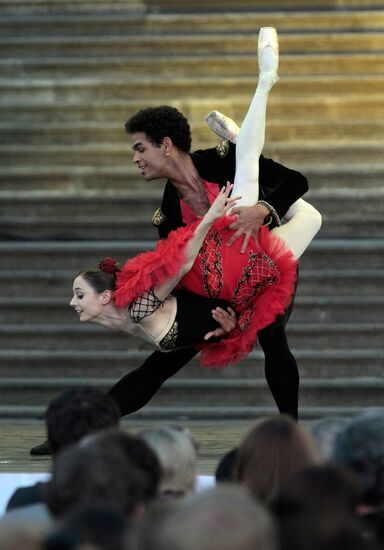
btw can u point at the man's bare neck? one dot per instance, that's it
(190, 187)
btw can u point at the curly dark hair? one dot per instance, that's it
(160, 122)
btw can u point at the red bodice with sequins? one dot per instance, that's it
(259, 283)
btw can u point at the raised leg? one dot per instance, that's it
(250, 141)
(303, 222)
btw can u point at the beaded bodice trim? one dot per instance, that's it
(169, 340)
(259, 272)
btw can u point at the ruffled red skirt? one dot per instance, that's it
(259, 283)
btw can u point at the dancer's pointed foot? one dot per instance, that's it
(223, 126)
(268, 50)
(268, 56)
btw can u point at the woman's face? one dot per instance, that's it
(86, 301)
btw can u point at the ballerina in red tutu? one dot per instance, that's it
(148, 295)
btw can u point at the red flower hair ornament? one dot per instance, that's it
(109, 265)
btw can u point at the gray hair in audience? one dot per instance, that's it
(176, 452)
(324, 431)
(360, 447)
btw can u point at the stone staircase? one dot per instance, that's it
(72, 72)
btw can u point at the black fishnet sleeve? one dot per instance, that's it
(144, 305)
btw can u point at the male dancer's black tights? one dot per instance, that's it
(136, 388)
(281, 372)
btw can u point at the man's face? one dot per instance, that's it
(149, 157)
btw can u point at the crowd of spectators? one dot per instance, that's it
(284, 486)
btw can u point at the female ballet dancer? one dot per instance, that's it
(258, 284)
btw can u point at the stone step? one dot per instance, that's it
(73, 255)
(341, 226)
(171, 413)
(335, 201)
(140, 204)
(67, 64)
(332, 107)
(159, 6)
(75, 179)
(193, 44)
(312, 282)
(342, 176)
(240, 21)
(343, 254)
(92, 89)
(345, 226)
(90, 227)
(338, 309)
(107, 154)
(352, 335)
(349, 214)
(72, 179)
(341, 282)
(321, 364)
(91, 217)
(308, 309)
(79, 133)
(233, 393)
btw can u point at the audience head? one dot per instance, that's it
(359, 446)
(323, 432)
(158, 123)
(137, 452)
(225, 517)
(176, 452)
(325, 487)
(316, 509)
(101, 471)
(91, 527)
(19, 534)
(79, 412)
(272, 451)
(226, 468)
(322, 531)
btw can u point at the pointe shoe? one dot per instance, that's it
(223, 126)
(268, 39)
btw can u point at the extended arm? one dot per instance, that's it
(219, 208)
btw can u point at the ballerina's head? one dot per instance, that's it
(93, 290)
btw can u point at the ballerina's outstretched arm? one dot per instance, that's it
(219, 208)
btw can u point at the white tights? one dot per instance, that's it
(302, 220)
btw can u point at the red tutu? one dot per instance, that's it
(259, 283)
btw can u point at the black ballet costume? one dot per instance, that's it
(194, 317)
(281, 187)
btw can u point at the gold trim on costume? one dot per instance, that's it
(169, 340)
(223, 148)
(158, 217)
